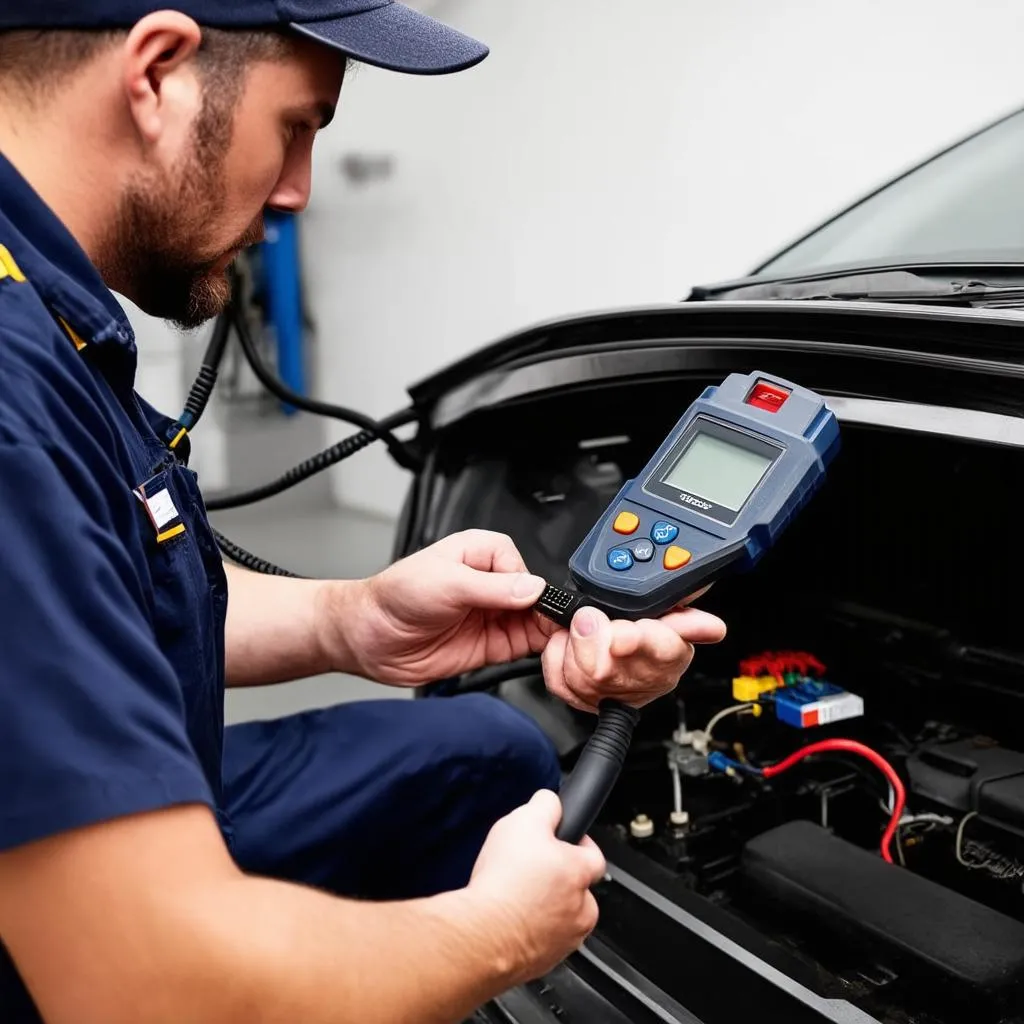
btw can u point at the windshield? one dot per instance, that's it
(964, 206)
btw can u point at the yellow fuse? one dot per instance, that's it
(749, 688)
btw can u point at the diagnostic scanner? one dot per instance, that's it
(739, 465)
(734, 471)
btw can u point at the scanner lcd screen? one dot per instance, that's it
(718, 471)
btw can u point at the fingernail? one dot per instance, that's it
(528, 586)
(584, 623)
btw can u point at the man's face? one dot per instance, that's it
(182, 224)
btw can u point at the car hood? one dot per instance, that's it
(883, 342)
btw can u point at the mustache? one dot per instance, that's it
(256, 233)
(253, 235)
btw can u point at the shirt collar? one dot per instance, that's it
(56, 265)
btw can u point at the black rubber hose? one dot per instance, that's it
(247, 560)
(317, 464)
(399, 451)
(597, 770)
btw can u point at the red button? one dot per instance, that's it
(767, 396)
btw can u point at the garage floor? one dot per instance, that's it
(315, 541)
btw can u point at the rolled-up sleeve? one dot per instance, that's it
(92, 724)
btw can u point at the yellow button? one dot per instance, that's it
(626, 522)
(676, 557)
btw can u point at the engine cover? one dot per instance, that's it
(850, 892)
(972, 775)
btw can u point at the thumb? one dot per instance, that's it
(545, 809)
(475, 588)
(590, 642)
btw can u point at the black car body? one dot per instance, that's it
(767, 901)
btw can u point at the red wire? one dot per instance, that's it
(853, 747)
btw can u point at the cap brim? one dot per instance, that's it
(398, 38)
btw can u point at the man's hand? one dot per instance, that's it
(467, 602)
(633, 662)
(536, 887)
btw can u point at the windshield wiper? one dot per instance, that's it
(881, 285)
(973, 293)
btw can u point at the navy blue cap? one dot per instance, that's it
(379, 32)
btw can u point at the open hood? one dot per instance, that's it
(964, 358)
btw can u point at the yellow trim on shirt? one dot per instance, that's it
(72, 334)
(8, 268)
(174, 531)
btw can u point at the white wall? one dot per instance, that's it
(616, 151)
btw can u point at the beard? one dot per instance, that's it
(152, 252)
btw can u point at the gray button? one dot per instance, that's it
(643, 550)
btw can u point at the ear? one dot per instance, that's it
(158, 81)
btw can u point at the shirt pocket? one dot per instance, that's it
(189, 601)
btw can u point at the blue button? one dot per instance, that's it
(643, 550)
(664, 533)
(620, 559)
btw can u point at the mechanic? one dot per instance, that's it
(381, 861)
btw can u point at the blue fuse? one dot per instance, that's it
(816, 702)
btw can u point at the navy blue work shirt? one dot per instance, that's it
(112, 591)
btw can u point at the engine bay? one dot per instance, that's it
(797, 856)
(882, 632)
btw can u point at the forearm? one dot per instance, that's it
(148, 918)
(286, 954)
(274, 632)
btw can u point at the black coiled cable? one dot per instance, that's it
(247, 560)
(399, 451)
(199, 397)
(202, 389)
(206, 380)
(317, 464)
(311, 467)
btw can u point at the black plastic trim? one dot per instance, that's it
(659, 1002)
(864, 327)
(638, 361)
(833, 1011)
